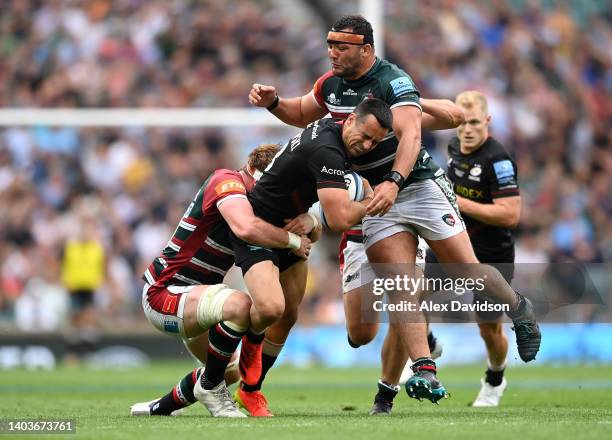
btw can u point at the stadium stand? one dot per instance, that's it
(549, 86)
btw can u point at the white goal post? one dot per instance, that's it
(138, 117)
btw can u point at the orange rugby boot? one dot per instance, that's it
(254, 402)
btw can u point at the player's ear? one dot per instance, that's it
(350, 120)
(488, 120)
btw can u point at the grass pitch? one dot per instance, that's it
(540, 402)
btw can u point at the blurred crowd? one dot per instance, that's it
(546, 71)
(148, 53)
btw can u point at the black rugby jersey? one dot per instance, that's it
(486, 174)
(385, 81)
(313, 159)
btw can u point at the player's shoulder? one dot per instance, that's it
(325, 135)
(495, 150)
(390, 74)
(324, 130)
(327, 76)
(386, 67)
(454, 145)
(225, 181)
(394, 83)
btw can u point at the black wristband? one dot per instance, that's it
(395, 177)
(274, 103)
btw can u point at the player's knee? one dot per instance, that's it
(237, 309)
(271, 311)
(361, 334)
(490, 332)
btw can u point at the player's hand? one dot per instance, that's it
(367, 188)
(304, 251)
(384, 197)
(303, 224)
(262, 95)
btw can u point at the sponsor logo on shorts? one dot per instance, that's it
(449, 219)
(171, 326)
(419, 253)
(351, 277)
(170, 304)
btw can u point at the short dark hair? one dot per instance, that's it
(377, 108)
(357, 23)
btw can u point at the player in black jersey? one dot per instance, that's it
(485, 180)
(308, 168)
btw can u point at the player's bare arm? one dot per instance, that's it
(299, 111)
(341, 212)
(440, 114)
(239, 215)
(305, 224)
(504, 212)
(407, 128)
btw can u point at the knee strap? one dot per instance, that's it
(210, 305)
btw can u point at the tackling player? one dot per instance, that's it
(183, 295)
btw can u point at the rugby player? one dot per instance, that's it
(485, 181)
(311, 166)
(183, 293)
(426, 206)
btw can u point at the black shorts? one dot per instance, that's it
(506, 268)
(81, 299)
(247, 255)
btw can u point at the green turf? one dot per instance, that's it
(541, 402)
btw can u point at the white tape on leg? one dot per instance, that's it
(210, 306)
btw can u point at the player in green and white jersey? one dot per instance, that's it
(412, 198)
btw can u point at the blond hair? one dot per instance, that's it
(469, 98)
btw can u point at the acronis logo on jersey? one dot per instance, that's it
(402, 85)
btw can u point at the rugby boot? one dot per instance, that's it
(383, 401)
(217, 400)
(145, 409)
(424, 384)
(249, 362)
(528, 336)
(381, 408)
(435, 348)
(489, 395)
(253, 401)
